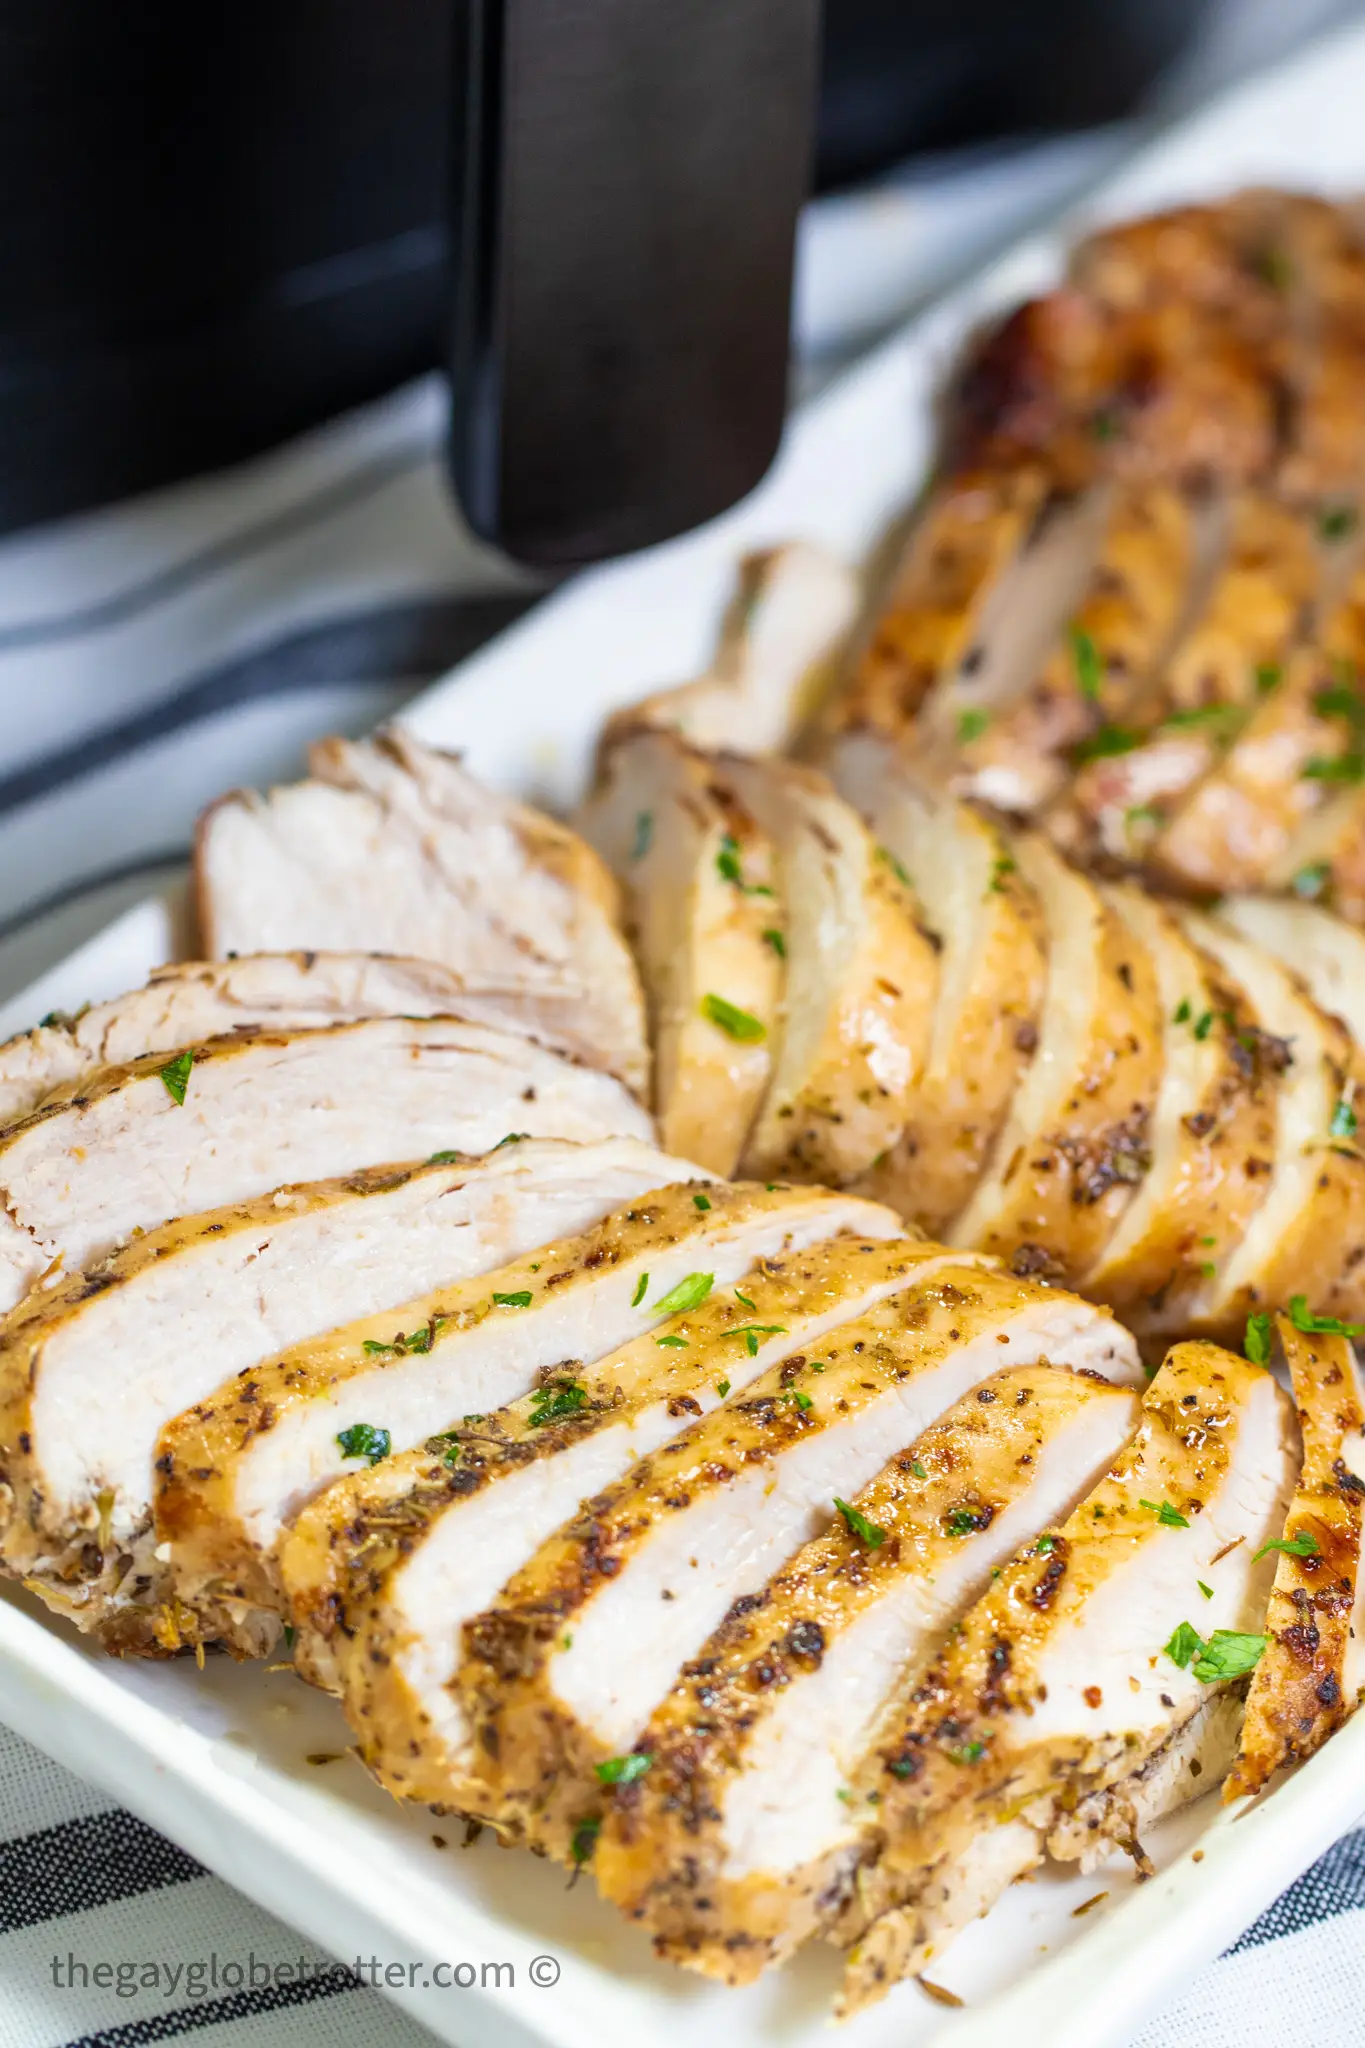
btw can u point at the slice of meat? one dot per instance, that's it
(194, 1000)
(1325, 859)
(384, 1569)
(1077, 1140)
(234, 1469)
(1307, 1236)
(236, 1117)
(1313, 1672)
(1088, 1653)
(731, 1844)
(992, 969)
(696, 876)
(926, 622)
(1214, 1115)
(1191, 1763)
(1326, 953)
(861, 981)
(780, 641)
(393, 847)
(91, 1371)
(564, 1670)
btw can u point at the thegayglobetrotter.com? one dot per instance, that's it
(213, 1975)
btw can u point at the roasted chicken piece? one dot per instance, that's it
(992, 968)
(133, 1146)
(92, 1369)
(1326, 954)
(562, 1672)
(780, 642)
(1313, 1671)
(1093, 1648)
(393, 847)
(1306, 1234)
(708, 929)
(384, 1569)
(861, 981)
(236, 1467)
(1212, 1126)
(730, 1842)
(1325, 860)
(194, 1000)
(1077, 1140)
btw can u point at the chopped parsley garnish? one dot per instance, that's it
(556, 1399)
(445, 1158)
(999, 869)
(1339, 768)
(420, 1342)
(701, 1202)
(1199, 715)
(962, 1521)
(733, 1021)
(1256, 1343)
(641, 1288)
(363, 1440)
(585, 1840)
(522, 1299)
(751, 1332)
(774, 938)
(1305, 1544)
(644, 833)
(1182, 1011)
(175, 1077)
(1108, 741)
(1311, 881)
(1169, 1517)
(623, 1770)
(1184, 1644)
(1227, 1654)
(512, 1138)
(1337, 522)
(722, 1388)
(1045, 1546)
(743, 1299)
(968, 1752)
(1302, 1317)
(1268, 674)
(1089, 667)
(690, 1292)
(1143, 814)
(1207, 1591)
(859, 1526)
(971, 725)
(918, 1469)
(897, 867)
(1344, 1121)
(729, 869)
(672, 1343)
(1203, 1025)
(1339, 700)
(800, 1400)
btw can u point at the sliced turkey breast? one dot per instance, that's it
(1212, 1128)
(1325, 952)
(992, 969)
(1325, 859)
(861, 979)
(385, 1568)
(1313, 1671)
(562, 1672)
(394, 847)
(696, 875)
(91, 1371)
(1307, 1236)
(236, 1117)
(927, 620)
(1077, 1140)
(194, 1000)
(741, 1825)
(1092, 1648)
(1188, 1765)
(234, 1469)
(780, 641)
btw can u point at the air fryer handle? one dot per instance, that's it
(627, 180)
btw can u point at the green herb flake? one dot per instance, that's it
(644, 834)
(445, 1158)
(999, 870)
(897, 867)
(672, 1343)
(1142, 814)
(1311, 882)
(1107, 742)
(522, 1299)
(751, 1332)
(1337, 522)
(1201, 715)
(859, 1526)
(971, 725)
(1203, 1025)
(701, 1203)
(1339, 700)
(1182, 1012)
(690, 1292)
(555, 1399)
(802, 1401)
(1227, 1654)
(641, 1289)
(918, 1469)
(512, 1138)
(962, 1522)
(1256, 1343)
(1303, 1319)
(1184, 1644)
(1168, 1516)
(1344, 1121)
(363, 1440)
(374, 1349)
(1045, 1546)
(734, 1022)
(774, 938)
(1207, 1591)
(1337, 768)
(722, 1388)
(623, 1770)
(743, 1299)
(1267, 677)
(584, 1841)
(968, 1752)
(175, 1077)
(727, 861)
(1305, 1544)
(1089, 667)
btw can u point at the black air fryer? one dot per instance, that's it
(222, 225)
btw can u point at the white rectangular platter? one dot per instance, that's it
(217, 1758)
